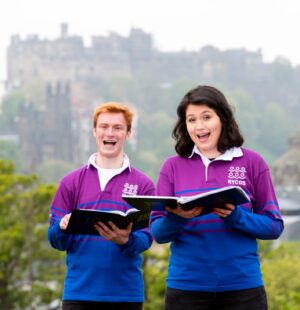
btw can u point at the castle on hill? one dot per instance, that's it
(63, 80)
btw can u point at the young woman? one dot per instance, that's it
(214, 262)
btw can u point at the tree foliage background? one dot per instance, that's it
(30, 272)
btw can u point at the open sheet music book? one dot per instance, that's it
(82, 221)
(209, 200)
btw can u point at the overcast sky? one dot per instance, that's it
(270, 25)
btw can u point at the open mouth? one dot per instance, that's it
(108, 142)
(203, 136)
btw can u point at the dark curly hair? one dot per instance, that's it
(214, 99)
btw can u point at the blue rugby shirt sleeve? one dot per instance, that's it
(139, 241)
(265, 222)
(62, 204)
(164, 226)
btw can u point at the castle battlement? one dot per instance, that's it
(67, 57)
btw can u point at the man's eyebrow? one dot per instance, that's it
(108, 124)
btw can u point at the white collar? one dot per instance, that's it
(228, 155)
(92, 161)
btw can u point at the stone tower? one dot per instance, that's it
(58, 139)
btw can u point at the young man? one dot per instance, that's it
(103, 272)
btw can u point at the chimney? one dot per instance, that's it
(64, 30)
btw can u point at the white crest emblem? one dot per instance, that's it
(130, 189)
(237, 175)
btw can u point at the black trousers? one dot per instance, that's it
(89, 305)
(250, 299)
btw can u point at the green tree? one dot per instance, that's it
(244, 109)
(282, 276)
(53, 170)
(152, 151)
(10, 108)
(30, 271)
(274, 127)
(155, 271)
(10, 151)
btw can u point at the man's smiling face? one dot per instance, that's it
(110, 134)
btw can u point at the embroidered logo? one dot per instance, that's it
(130, 189)
(237, 175)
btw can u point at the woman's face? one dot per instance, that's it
(204, 127)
